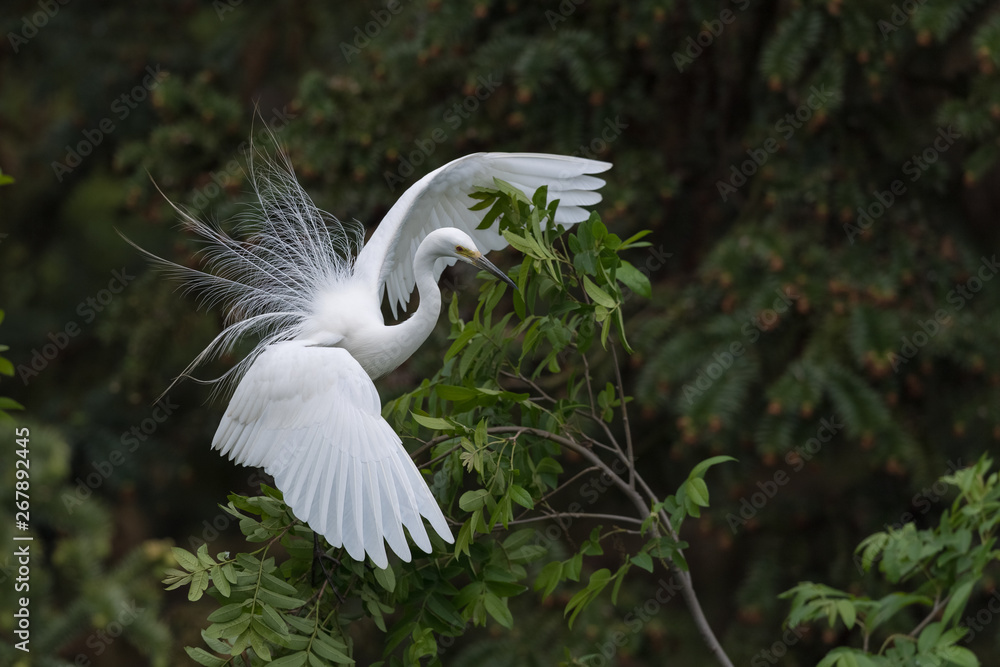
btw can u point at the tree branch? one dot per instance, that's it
(687, 587)
(577, 515)
(628, 431)
(561, 487)
(938, 606)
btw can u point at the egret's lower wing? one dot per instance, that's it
(311, 417)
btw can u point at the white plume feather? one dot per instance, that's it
(266, 278)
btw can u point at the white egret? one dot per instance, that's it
(305, 408)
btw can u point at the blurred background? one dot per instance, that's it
(820, 178)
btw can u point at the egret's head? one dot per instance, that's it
(451, 242)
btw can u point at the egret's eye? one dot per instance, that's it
(459, 248)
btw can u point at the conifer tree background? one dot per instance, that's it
(820, 178)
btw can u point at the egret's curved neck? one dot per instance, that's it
(411, 334)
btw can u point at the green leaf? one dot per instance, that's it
(549, 465)
(185, 559)
(697, 491)
(273, 619)
(526, 245)
(433, 423)
(227, 613)
(928, 638)
(619, 578)
(230, 629)
(456, 393)
(598, 581)
(959, 598)
(634, 279)
(958, 655)
(9, 404)
(549, 578)
(199, 582)
(278, 600)
(891, 604)
(497, 608)
(292, 660)
(643, 560)
(520, 496)
(259, 646)
(278, 585)
(473, 500)
(386, 578)
(326, 647)
(220, 581)
(468, 333)
(847, 612)
(203, 657)
(598, 295)
(630, 242)
(464, 538)
(700, 469)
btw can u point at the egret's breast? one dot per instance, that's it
(348, 316)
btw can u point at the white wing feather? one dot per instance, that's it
(311, 417)
(441, 199)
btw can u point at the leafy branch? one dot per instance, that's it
(944, 563)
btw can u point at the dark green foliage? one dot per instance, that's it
(84, 606)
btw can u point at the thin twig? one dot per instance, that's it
(442, 456)
(430, 443)
(576, 515)
(561, 487)
(938, 605)
(531, 383)
(628, 430)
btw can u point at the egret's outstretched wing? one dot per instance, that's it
(441, 199)
(310, 416)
